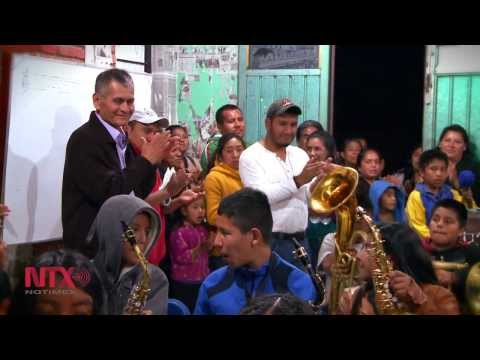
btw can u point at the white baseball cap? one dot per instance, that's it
(148, 116)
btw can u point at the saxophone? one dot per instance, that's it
(138, 296)
(386, 303)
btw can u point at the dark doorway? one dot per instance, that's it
(378, 95)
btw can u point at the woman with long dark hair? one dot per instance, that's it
(413, 281)
(455, 143)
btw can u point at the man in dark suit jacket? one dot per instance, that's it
(98, 162)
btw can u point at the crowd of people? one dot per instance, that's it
(221, 234)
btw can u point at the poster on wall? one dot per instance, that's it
(103, 55)
(284, 56)
(99, 55)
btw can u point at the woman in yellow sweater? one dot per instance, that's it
(223, 177)
(222, 180)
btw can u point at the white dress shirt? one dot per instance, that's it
(114, 133)
(264, 170)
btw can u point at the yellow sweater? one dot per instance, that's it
(416, 214)
(220, 182)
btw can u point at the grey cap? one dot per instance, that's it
(281, 106)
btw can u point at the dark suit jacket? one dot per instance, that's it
(92, 174)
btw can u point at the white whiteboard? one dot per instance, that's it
(48, 100)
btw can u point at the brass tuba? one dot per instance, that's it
(472, 289)
(336, 192)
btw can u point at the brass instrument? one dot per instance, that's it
(386, 303)
(138, 297)
(472, 283)
(302, 255)
(472, 289)
(448, 266)
(336, 192)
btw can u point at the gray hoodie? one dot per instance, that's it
(107, 231)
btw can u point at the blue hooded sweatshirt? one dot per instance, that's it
(377, 189)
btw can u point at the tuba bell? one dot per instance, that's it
(472, 289)
(336, 193)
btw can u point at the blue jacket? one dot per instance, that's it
(377, 189)
(226, 290)
(430, 200)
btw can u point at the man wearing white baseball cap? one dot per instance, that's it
(142, 126)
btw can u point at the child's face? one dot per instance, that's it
(194, 212)
(141, 227)
(435, 173)
(316, 149)
(388, 201)
(445, 228)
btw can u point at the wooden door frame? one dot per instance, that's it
(430, 95)
(331, 108)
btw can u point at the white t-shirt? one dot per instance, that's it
(264, 170)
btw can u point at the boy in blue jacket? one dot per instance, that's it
(244, 226)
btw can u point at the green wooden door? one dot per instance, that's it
(452, 92)
(259, 86)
